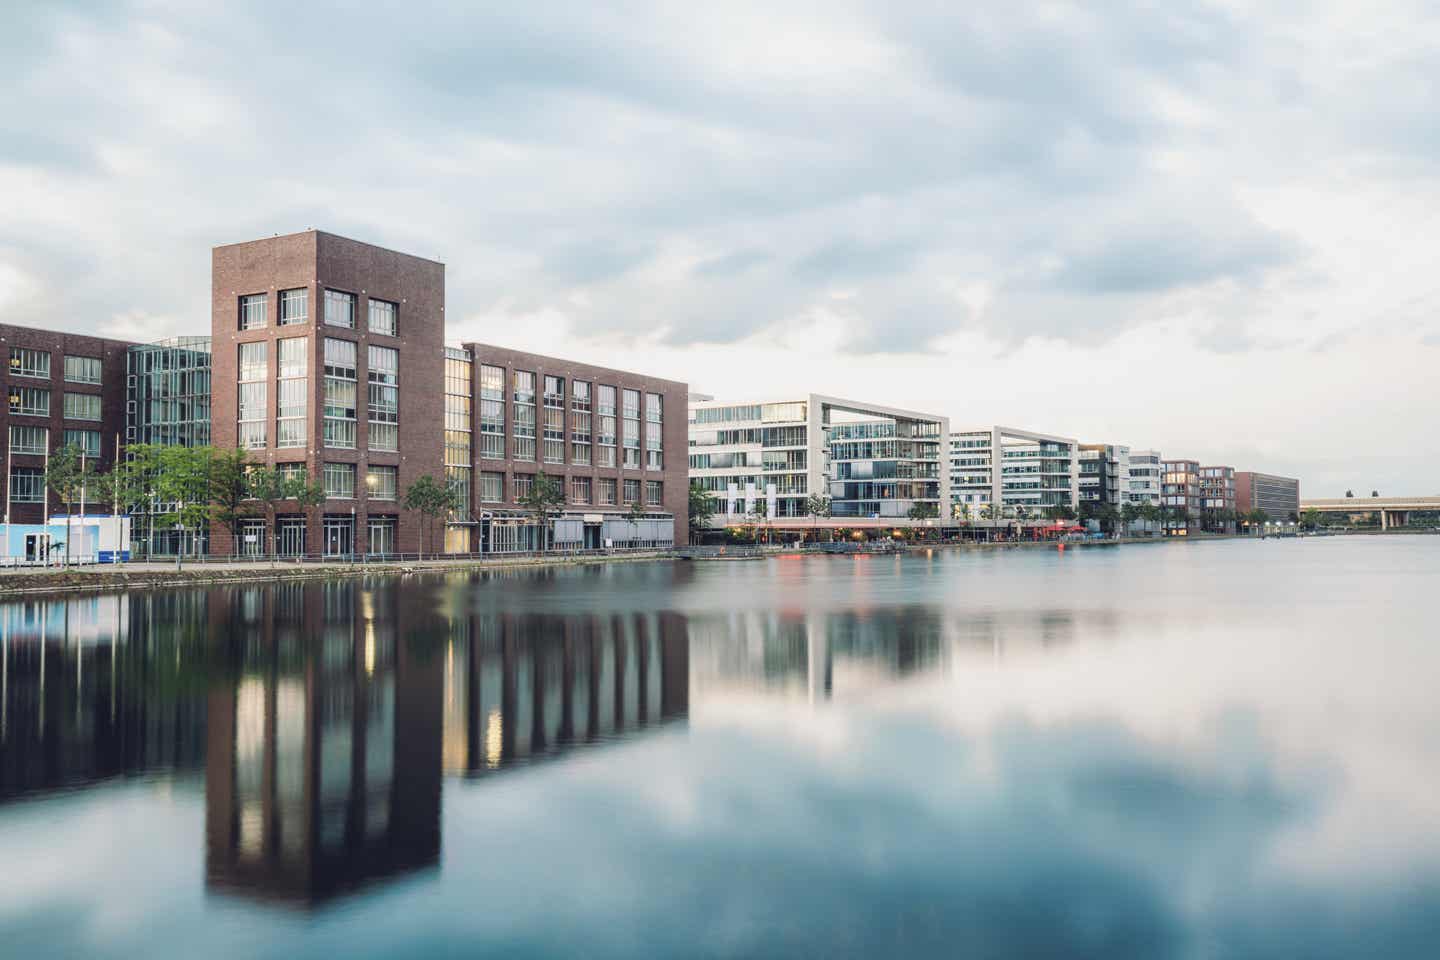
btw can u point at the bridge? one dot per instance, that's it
(1394, 511)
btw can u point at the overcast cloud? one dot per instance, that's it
(1196, 226)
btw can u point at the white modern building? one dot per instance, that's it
(1145, 477)
(1036, 470)
(871, 461)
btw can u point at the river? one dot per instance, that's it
(1226, 749)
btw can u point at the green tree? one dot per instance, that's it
(272, 487)
(923, 510)
(817, 505)
(634, 515)
(1310, 518)
(760, 513)
(1129, 513)
(130, 487)
(67, 473)
(231, 492)
(433, 499)
(701, 510)
(181, 483)
(544, 499)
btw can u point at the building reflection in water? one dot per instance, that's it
(325, 715)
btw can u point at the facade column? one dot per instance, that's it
(1384, 519)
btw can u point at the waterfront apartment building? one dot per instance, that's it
(1278, 496)
(1180, 497)
(1217, 499)
(1037, 470)
(1145, 477)
(1104, 473)
(871, 461)
(614, 441)
(325, 352)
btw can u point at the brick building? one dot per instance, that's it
(60, 388)
(327, 351)
(612, 438)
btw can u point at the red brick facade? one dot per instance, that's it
(110, 390)
(316, 262)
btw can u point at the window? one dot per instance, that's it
(523, 481)
(27, 485)
(252, 311)
(384, 398)
(294, 306)
(605, 426)
(82, 369)
(632, 491)
(82, 406)
(292, 471)
(293, 389)
(492, 487)
(29, 363)
(29, 440)
(632, 429)
(492, 413)
(340, 309)
(654, 493)
(340, 480)
(31, 401)
(524, 417)
(458, 480)
(654, 455)
(607, 492)
(382, 316)
(380, 482)
(580, 489)
(251, 417)
(253, 365)
(340, 395)
(88, 441)
(380, 532)
(580, 395)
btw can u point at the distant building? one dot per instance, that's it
(1037, 470)
(1146, 477)
(1180, 497)
(1217, 499)
(872, 461)
(1104, 473)
(1277, 496)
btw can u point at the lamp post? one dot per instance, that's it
(370, 482)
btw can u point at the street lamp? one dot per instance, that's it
(371, 480)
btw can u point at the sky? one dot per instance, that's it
(1206, 228)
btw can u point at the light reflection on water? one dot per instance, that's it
(1225, 749)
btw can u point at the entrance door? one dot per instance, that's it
(252, 538)
(37, 545)
(292, 537)
(339, 537)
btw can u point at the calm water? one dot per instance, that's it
(1211, 750)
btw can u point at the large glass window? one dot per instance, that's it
(654, 493)
(632, 491)
(607, 491)
(27, 485)
(30, 401)
(580, 489)
(654, 432)
(632, 428)
(29, 440)
(294, 306)
(384, 397)
(293, 391)
(339, 480)
(524, 416)
(380, 482)
(29, 363)
(554, 420)
(88, 441)
(382, 316)
(340, 393)
(605, 426)
(82, 369)
(253, 311)
(253, 365)
(492, 487)
(492, 412)
(340, 309)
(82, 406)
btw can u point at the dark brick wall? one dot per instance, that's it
(111, 390)
(674, 441)
(318, 261)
